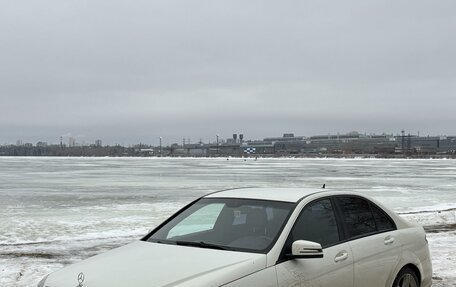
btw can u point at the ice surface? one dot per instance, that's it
(56, 211)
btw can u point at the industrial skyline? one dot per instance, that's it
(70, 140)
(350, 144)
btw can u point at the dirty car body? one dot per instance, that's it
(266, 237)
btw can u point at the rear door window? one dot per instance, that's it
(357, 216)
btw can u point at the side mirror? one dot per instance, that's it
(306, 249)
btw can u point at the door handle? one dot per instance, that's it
(341, 256)
(388, 240)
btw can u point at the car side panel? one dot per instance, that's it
(266, 278)
(376, 257)
(415, 251)
(315, 272)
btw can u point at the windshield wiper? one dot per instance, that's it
(202, 244)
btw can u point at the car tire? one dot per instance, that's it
(406, 278)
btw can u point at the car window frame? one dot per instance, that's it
(370, 203)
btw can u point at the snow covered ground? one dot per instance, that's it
(440, 226)
(57, 211)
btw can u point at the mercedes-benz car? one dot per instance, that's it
(266, 237)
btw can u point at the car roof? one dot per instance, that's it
(269, 193)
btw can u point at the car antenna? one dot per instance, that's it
(324, 186)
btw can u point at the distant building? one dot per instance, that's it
(41, 144)
(195, 149)
(285, 138)
(71, 142)
(98, 143)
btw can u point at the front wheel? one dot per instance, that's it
(406, 278)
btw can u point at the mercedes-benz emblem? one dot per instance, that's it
(81, 279)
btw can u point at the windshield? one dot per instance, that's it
(227, 223)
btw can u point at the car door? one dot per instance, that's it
(317, 222)
(373, 240)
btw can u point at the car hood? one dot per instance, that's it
(142, 264)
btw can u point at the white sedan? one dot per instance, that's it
(266, 237)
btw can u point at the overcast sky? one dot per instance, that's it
(132, 71)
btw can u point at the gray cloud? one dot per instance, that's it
(133, 71)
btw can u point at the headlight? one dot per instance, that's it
(41, 284)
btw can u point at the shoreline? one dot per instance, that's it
(259, 156)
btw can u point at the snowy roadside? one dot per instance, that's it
(440, 226)
(443, 254)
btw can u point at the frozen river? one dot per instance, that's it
(56, 211)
